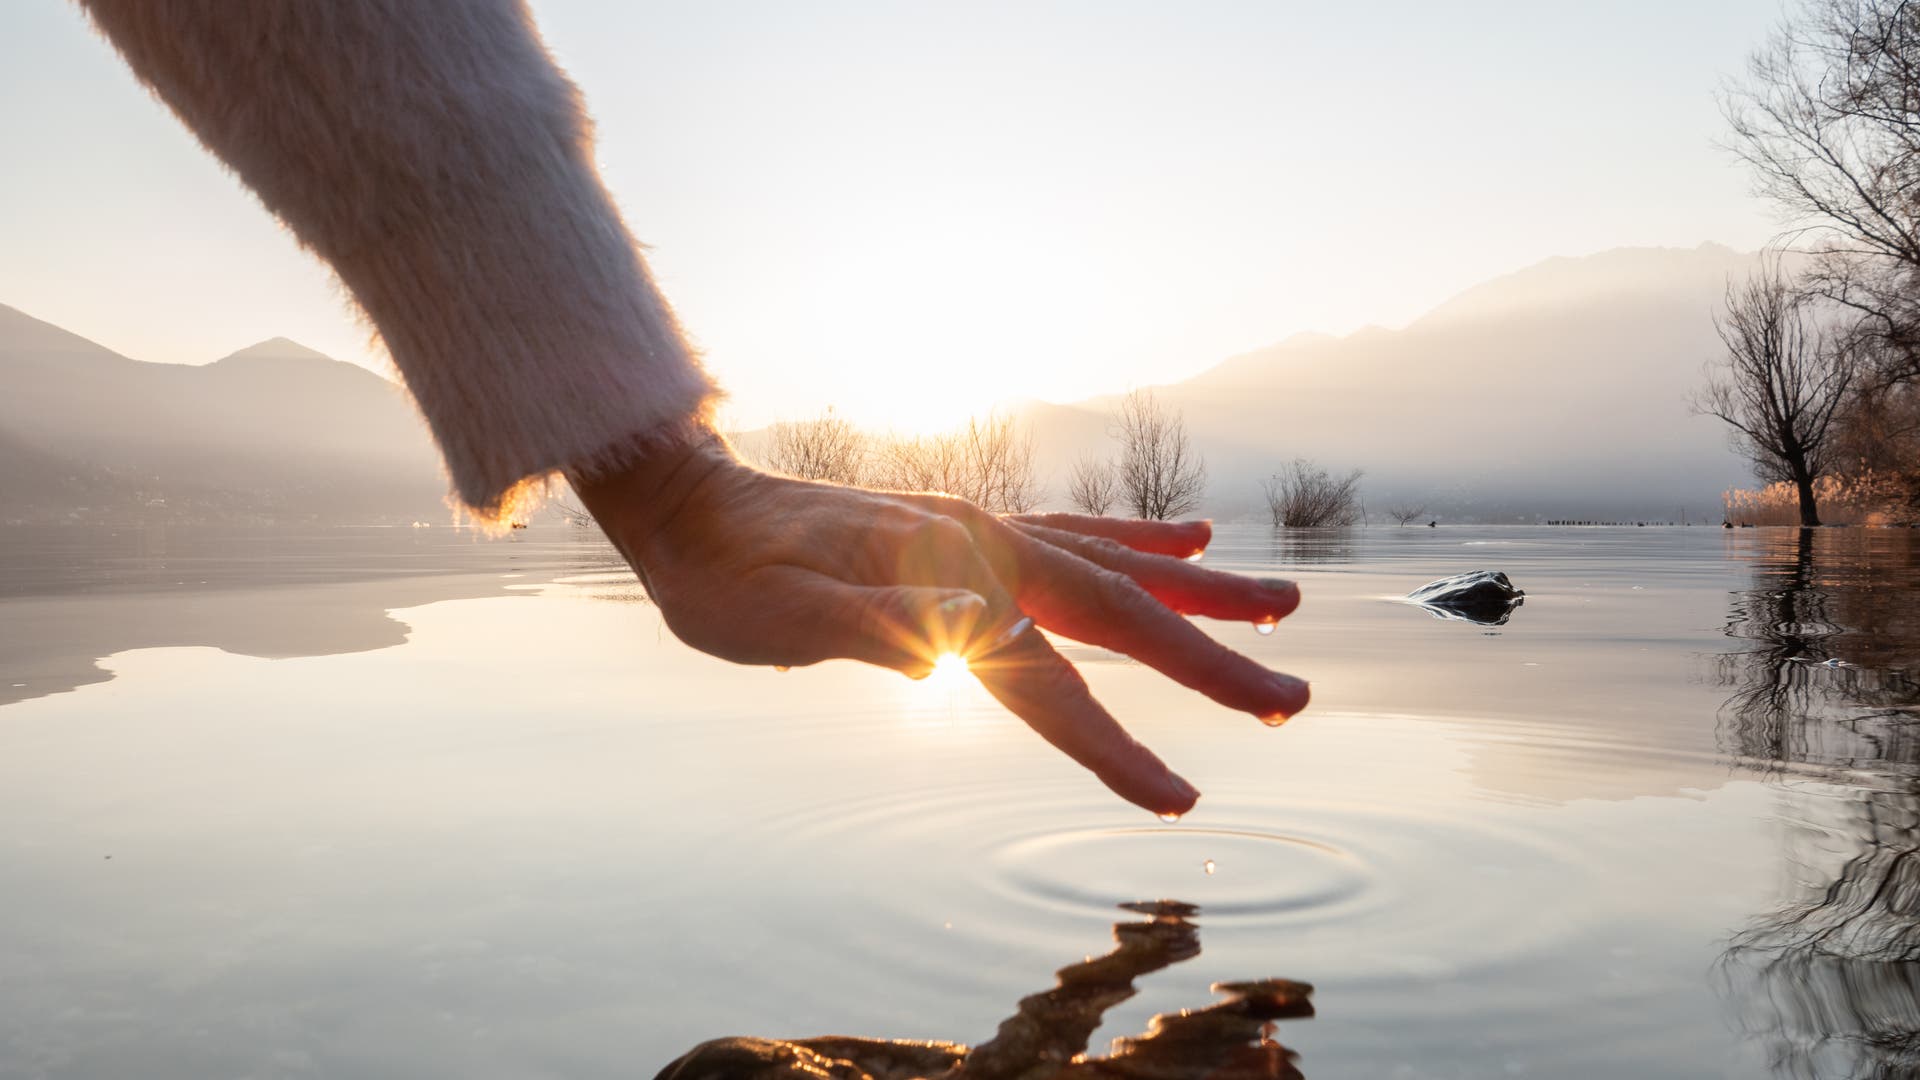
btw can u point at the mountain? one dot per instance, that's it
(1558, 391)
(275, 431)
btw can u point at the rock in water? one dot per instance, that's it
(1483, 596)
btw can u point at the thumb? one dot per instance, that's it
(910, 627)
(812, 617)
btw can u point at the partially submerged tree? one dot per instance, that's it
(1091, 487)
(824, 448)
(1304, 495)
(1781, 383)
(1161, 476)
(1406, 513)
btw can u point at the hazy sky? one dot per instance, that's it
(909, 211)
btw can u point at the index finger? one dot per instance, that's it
(1039, 686)
(1181, 585)
(1180, 539)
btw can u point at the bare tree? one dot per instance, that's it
(1406, 513)
(1160, 474)
(1781, 382)
(916, 463)
(1828, 117)
(824, 448)
(988, 462)
(999, 462)
(1304, 495)
(1092, 486)
(564, 505)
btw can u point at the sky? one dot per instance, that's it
(908, 212)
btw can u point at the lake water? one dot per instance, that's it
(408, 803)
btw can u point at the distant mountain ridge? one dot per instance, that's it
(1555, 391)
(1559, 390)
(277, 348)
(274, 431)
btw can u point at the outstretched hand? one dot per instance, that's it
(763, 569)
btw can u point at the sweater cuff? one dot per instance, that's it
(531, 343)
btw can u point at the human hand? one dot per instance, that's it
(763, 569)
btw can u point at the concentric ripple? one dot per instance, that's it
(1239, 873)
(1395, 886)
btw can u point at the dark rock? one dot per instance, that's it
(1483, 596)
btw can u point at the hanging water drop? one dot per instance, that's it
(781, 667)
(1208, 866)
(1274, 719)
(1264, 627)
(1169, 818)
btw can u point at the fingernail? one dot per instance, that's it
(955, 620)
(1007, 636)
(1182, 794)
(1293, 694)
(1285, 594)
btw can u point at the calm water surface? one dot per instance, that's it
(404, 803)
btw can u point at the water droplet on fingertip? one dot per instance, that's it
(1195, 557)
(1264, 627)
(1274, 719)
(1169, 818)
(781, 667)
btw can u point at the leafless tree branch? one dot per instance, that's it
(1303, 495)
(1161, 475)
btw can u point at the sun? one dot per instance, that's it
(948, 670)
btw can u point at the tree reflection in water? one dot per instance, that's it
(1303, 547)
(1047, 1038)
(1825, 700)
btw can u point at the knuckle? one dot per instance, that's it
(951, 536)
(894, 515)
(1119, 597)
(938, 540)
(870, 615)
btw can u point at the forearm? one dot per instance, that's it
(432, 152)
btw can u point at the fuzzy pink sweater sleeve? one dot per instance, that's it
(433, 153)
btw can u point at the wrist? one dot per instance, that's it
(653, 481)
